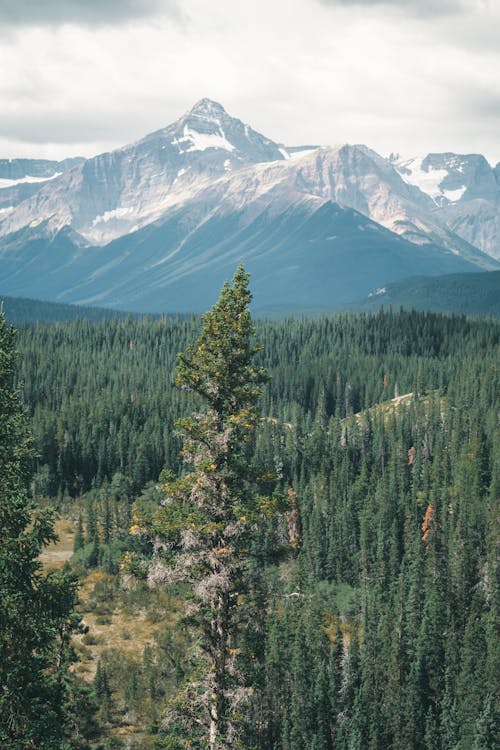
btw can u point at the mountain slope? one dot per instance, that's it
(469, 293)
(22, 178)
(296, 256)
(209, 157)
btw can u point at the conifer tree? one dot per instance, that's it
(487, 728)
(79, 539)
(36, 610)
(208, 519)
(102, 691)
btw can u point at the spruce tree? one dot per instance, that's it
(487, 727)
(36, 610)
(209, 516)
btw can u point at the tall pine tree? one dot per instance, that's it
(209, 516)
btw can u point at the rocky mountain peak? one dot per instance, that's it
(208, 109)
(209, 161)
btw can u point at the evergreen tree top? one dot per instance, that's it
(218, 366)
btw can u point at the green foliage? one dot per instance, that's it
(103, 404)
(209, 518)
(36, 610)
(380, 630)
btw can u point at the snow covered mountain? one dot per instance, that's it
(466, 192)
(450, 178)
(138, 227)
(118, 192)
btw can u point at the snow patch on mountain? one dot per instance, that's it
(299, 153)
(454, 195)
(427, 180)
(6, 183)
(196, 141)
(117, 213)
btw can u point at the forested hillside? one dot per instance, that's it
(378, 583)
(467, 294)
(20, 311)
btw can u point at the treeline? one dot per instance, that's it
(379, 628)
(23, 310)
(102, 399)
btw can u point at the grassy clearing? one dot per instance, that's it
(387, 409)
(118, 620)
(55, 555)
(121, 615)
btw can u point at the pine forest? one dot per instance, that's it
(220, 533)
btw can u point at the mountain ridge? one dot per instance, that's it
(139, 212)
(476, 294)
(467, 294)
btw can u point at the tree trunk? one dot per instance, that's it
(220, 633)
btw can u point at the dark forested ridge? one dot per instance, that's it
(380, 581)
(465, 293)
(20, 310)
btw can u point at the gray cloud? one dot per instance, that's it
(63, 128)
(88, 12)
(415, 7)
(484, 104)
(431, 83)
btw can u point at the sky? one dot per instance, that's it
(80, 77)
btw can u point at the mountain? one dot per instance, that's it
(296, 255)
(22, 178)
(467, 293)
(466, 192)
(157, 225)
(118, 192)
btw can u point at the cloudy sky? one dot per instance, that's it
(84, 76)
